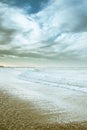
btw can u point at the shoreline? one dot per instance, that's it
(17, 114)
(26, 105)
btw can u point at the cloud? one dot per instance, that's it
(57, 32)
(67, 16)
(30, 6)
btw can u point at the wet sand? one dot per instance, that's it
(31, 106)
(17, 114)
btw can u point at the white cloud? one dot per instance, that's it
(59, 29)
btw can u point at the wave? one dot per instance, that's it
(75, 79)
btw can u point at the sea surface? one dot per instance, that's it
(70, 78)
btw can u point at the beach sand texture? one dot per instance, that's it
(16, 114)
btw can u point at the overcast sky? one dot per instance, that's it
(43, 32)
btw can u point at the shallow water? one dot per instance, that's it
(52, 89)
(70, 78)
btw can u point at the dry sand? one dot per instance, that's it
(16, 114)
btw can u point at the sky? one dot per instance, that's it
(43, 32)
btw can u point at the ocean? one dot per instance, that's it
(70, 78)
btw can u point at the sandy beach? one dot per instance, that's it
(17, 114)
(43, 64)
(31, 106)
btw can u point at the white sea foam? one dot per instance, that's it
(54, 89)
(70, 78)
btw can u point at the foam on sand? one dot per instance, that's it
(29, 84)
